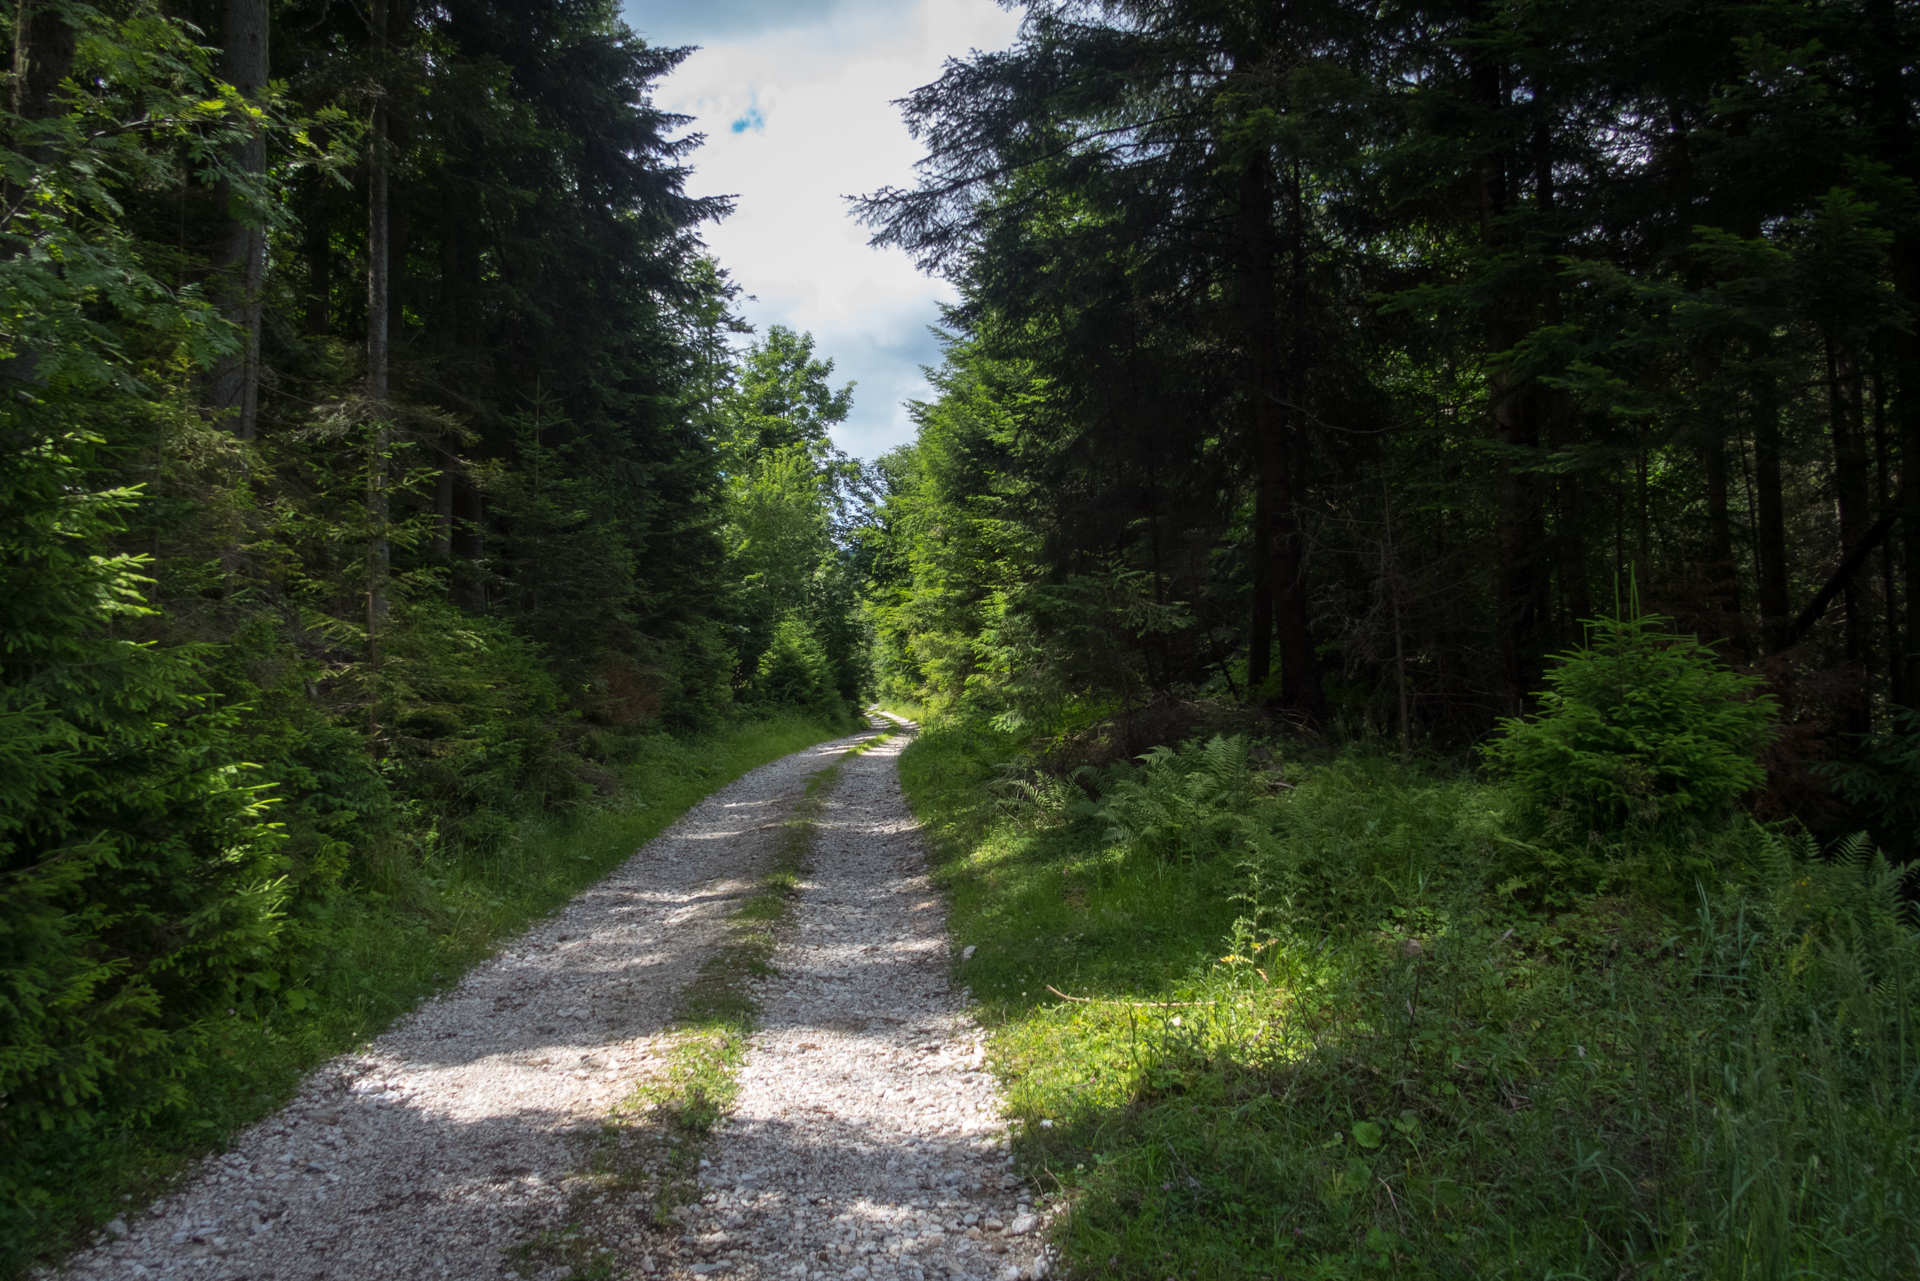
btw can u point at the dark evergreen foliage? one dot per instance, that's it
(1379, 347)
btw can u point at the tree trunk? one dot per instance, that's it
(399, 227)
(1520, 542)
(239, 265)
(1573, 554)
(1906, 417)
(43, 45)
(1776, 615)
(379, 552)
(318, 251)
(1293, 620)
(1279, 581)
(1258, 301)
(1260, 626)
(452, 242)
(1888, 56)
(1721, 574)
(1889, 583)
(443, 512)
(1522, 578)
(1852, 483)
(470, 545)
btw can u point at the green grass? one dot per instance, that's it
(386, 951)
(1336, 1022)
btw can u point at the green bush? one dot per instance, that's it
(1639, 729)
(794, 671)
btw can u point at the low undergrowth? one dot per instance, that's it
(381, 950)
(1261, 1014)
(645, 1163)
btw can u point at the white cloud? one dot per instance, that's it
(816, 123)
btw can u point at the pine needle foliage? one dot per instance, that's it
(1637, 729)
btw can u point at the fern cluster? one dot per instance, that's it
(1180, 803)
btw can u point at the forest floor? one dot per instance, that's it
(739, 1054)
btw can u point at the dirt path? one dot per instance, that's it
(864, 1138)
(866, 1141)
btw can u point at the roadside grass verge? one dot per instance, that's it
(1334, 1022)
(644, 1165)
(386, 950)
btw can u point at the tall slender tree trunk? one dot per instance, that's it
(1889, 580)
(1720, 571)
(1523, 581)
(1853, 482)
(380, 440)
(1776, 615)
(1260, 625)
(1279, 579)
(1257, 300)
(1520, 535)
(1904, 351)
(470, 545)
(399, 228)
(1390, 584)
(443, 512)
(239, 265)
(1897, 144)
(318, 251)
(1573, 553)
(43, 46)
(453, 236)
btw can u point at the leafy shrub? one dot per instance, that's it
(473, 713)
(1639, 728)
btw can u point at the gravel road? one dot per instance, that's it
(866, 1142)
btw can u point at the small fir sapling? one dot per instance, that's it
(1639, 728)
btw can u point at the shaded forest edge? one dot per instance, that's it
(397, 524)
(1271, 1008)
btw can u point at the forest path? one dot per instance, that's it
(865, 1132)
(866, 1141)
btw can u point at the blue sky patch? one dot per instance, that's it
(752, 119)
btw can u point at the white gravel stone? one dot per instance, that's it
(448, 1141)
(867, 1143)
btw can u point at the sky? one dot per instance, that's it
(795, 100)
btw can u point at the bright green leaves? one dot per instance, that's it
(1642, 728)
(792, 500)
